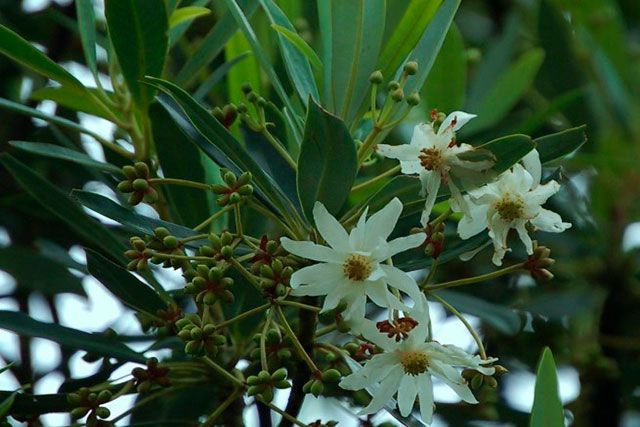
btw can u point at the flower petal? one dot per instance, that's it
(455, 121)
(379, 294)
(407, 393)
(357, 235)
(310, 250)
(356, 307)
(380, 225)
(524, 236)
(471, 225)
(402, 244)
(317, 273)
(330, 229)
(402, 281)
(388, 387)
(373, 371)
(430, 184)
(425, 397)
(540, 194)
(405, 152)
(531, 162)
(549, 221)
(453, 379)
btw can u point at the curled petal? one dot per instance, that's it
(549, 221)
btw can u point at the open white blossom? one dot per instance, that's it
(434, 156)
(514, 200)
(351, 268)
(409, 362)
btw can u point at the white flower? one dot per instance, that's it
(513, 201)
(351, 268)
(434, 156)
(406, 367)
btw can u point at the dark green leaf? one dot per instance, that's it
(497, 316)
(123, 284)
(295, 61)
(29, 404)
(87, 28)
(327, 165)
(7, 367)
(508, 150)
(62, 153)
(58, 254)
(69, 98)
(353, 31)
(557, 145)
(187, 13)
(20, 50)
(24, 325)
(6, 404)
(301, 45)
(36, 272)
(547, 408)
(217, 76)
(138, 32)
(62, 206)
(217, 143)
(415, 259)
(557, 305)
(179, 158)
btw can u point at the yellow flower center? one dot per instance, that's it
(357, 267)
(510, 207)
(414, 362)
(431, 158)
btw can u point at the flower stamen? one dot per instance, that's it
(414, 362)
(357, 267)
(431, 158)
(510, 207)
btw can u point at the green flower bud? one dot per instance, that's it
(413, 99)
(253, 380)
(267, 395)
(104, 396)
(272, 246)
(393, 85)
(264, 376)
(196, 333)
(226, 251)
(170, 242)
(184, 335)
(219, 340)
(331, 376)
(183, 323)
(252, 97)
(284, 354)
(142, 264)
(262, 102)
(253, 390)
(317, 388)
(306, 388)
(476, 381)
(226, 238)
(219, 188)
(281, 290)
(125, 186)
(376, 77)
(80, 412)
(397, 95)
(144, 387)
(103, 412)
(135, 198)
(92, 398)
(246, 87)
(273, 337)
(141, 169)
(140, 184)
(193, 347)
(284, 384)
(234, 198)
(343, 326)
(490, 381)
(256, 338)
(266, 271)
(151, 196)
(279, 375)
(129, 171)
(244, 178)
(245, 190)
(242, 108)
(209, 329)
(277, 266)
(217, 113)
(411, 68)
(230, 178)
(74, 398)
(255, 354)
(209, 298)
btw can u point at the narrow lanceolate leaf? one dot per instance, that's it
(507, 91)
(23, 52)
(185, 14)
(217, 143)
(68, 97)
(61, 205)
(327, 164)
(179, 158)
(87, 27)
(406, 35)
(508, 150)
(123, 284)
(295, 61)
(547, 408)
(353, 31)
(138, 32)
(557, 145)
(74, 339)
(63, 153)
(27, 267)
(301, 45)
(7, 403)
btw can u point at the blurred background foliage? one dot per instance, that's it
(527, 66)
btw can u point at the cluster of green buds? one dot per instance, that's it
(209, 285)
(86, 402)
(164, 242)
(166, 318)
(434, 243)
(275, 346)
(477, 379)
(138, 255)
(258, 123)
(316, 385)
(226, 115)
(137, 183)
(538, 263)
(221, 246)
(360, 351)
(267, 251)
(395, 88)
(262, 385)
(152, 375)
(201, 338)
(275, 278)
(335, 315)
(234, 189)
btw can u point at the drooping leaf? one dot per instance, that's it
(68, 97)
(138, 32)
(63, 153)
(63, 207)
(36, 272)
(547, 408)
(87, 28)
(557, 145)
(123, 284)
(508, 150)
(24, 325)
(301, 45)
(352, 31)
(327, 165)
(295, 61)
(179, 158)
(23, 52)
(185, 14)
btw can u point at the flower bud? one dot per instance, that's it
(130, 172)
(246, 87)
(170, 242)
(263, 376)
(284, 384)
(104, 396)
(80, 412)
(279, 375)
(125, 186)
(142, 170)
(284, 354)
(226, 251)
(413, 99)
(393, 85)
(253, 380)
(376, 77)
(317, 388)
(140, 184)
(331, 376)
(267, 394)
(103, 412)
(397, 95)
(411, 68)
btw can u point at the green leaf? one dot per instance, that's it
(352, 38)
(6, 404)
(447, 83)
(187, 13)
(213, 44)
(508, 150)
(6, 368)
(497, 316)
(557, 145)
(215, 77)
(415, 259)
(87, 28)
(296, 63)
(27, 268)
(124, 285)
(507, 91)
(63, 153)
(26, 326)
(29, 404)
(138, 32)
(408, 32)
(63, 207)
(301, 45)
(327, 165)
(547, 408)
(179, 158)
(23, 52)
(127, 217)
(216, 141)
(69, 98)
